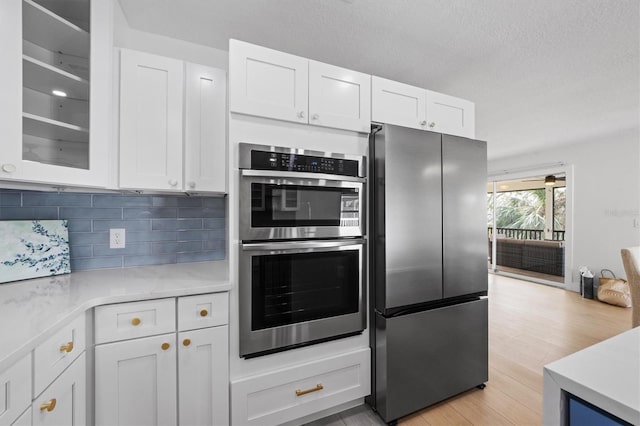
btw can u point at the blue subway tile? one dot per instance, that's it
(10, 199)
(213, 212)
(217, 245)
(80, 251)
(175, 224)
(190, 212)
(177, 247)
(90, 213)
(199, 257)
(29, 213)
(156, 259)
(194, 235)
(165, 201)
(150, 213)
(101, 200)
(189, 202)
(214, 202)
(88, 238)
(96, 263)
(215, 234)
(150, 236)
(129, 225)
(79, 225)
(214, 223)
(133, 249)
(55, 199)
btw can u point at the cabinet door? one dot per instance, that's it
(339, 97)
(151, 96)
(203, 363)
(135, 382)
(447, 114)
(15, 390)
(61, 140)
(267, 83)
(205, 129)
(397, 103)
(64, 402)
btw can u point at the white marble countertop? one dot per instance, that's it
(606, 374)
(31, 308)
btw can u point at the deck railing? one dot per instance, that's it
(525, 234)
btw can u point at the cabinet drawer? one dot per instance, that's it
(137, 319)
(203, 310)
(15, 390)
(64, 402)
(57, 353)
(291, 393)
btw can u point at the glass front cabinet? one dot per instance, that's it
(56, 105)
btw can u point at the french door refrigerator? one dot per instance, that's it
(429, 333)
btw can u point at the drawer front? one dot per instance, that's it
(203, 310)
(288, 394)
(137, 319)
(64, 402)
(57, 353)
(15, 390)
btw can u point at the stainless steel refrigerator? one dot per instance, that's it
(429, 331)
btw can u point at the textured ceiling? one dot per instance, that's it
(541, 72)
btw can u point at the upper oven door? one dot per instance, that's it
(292, 205)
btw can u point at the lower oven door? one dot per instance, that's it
(300, 292)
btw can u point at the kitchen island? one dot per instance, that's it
(605, 375)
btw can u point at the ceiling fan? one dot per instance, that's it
(548, 180)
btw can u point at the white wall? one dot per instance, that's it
(129, 38)
(606, 196)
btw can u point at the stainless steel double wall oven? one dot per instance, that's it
(302, 253)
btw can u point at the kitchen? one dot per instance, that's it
(241, 128)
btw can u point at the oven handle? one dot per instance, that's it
(301, 175)
(301, 244)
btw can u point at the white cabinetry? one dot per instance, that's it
(160, 148)
(147, 377)
(292, 393)
(273, 84)
(49, 51)
(64, 402)
(15, 390)
(409, 106)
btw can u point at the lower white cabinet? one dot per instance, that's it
(24, 419)
(164, 379)
(291, 393)
(136, 382)
(15, 390)
(203, 383)
(64, 401)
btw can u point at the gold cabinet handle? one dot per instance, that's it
(136, 321)
(67, 348)
(186, 342)
(204, 313)
(165, 346)
(304, 392)
(50, 405)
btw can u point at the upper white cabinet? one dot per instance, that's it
(167, 143)
(410, 106)
(57, 74)
(273, 84)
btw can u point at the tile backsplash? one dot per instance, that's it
(159, 228)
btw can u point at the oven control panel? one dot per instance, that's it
(280, 161)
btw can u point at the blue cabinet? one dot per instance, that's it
(582, 413)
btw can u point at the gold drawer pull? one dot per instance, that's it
(165, 346)
(67, 348)
(49, 405)
(204, 313)
(304, 392)
(136, 321)
(186, 342)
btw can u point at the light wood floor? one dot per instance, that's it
(530, 325)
